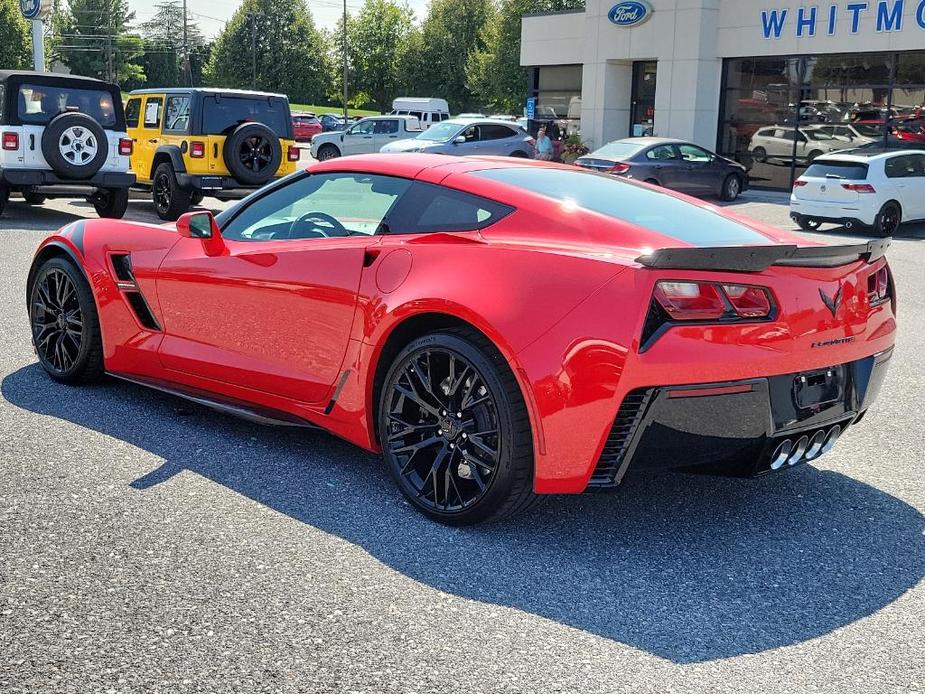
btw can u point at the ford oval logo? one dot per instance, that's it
(630, 13)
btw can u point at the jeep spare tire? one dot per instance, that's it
(74, 145)
(252, 153)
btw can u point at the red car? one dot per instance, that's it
(500, 329)
(305, 126)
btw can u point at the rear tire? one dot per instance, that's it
(808, 224)
(812, 156)
(518, 154)
(732, 186)
(113, 203)
(887, 221)
(65, 324)
(196, 198)
(4, 196)
(653, 182)
(326, 152)
(32, 198)
(170, 201)
(463, 467)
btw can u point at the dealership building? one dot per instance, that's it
(722, 72)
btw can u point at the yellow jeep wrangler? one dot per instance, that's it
(189, 143)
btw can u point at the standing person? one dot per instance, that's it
(543, 145)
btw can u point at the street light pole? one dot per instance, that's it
(252, 16)
(187, 73)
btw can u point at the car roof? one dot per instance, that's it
(479, 121)
(415, 164)
(649, 141)
(5, 74)
(865, 155)
(206, 90)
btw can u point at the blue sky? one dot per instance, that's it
(212, 14)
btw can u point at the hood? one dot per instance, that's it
(411, 145)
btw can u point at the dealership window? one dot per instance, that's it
(557, 89)
(834, 102)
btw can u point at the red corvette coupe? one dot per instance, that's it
(499, 329)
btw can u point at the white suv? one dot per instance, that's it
(63, 136)
(775, 144)
(876, 189)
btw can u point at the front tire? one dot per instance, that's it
(454, 429)
(170, 200)
(33, 198)
(887, 221)
(326, 152)
(4, 196)
(111, 203)
(732, 186)
(65, 324)
(760, 155)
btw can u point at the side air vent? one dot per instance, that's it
(122, 264)
(143, 313)
(621, 435)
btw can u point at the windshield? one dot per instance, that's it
(616, 198)
(616, 150)
(869, 130)
(441, 132)
(39, 103)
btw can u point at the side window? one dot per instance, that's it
(417, 114)
(318, 207)
(900, 167)
(386, 127)
(694, 154)
(132, 112)
(661, 153)
(471, 133)
(428, 208)
(495, 132)
(153, 111)
(363, 128)
(918, 165)
(176, 113)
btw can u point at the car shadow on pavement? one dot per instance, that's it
(688, 568)
(20, 215)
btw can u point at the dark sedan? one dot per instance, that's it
(674, 164)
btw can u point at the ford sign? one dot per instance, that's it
(630, 13)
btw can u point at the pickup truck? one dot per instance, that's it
(366, 136)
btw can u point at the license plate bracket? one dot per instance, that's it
(813, 389)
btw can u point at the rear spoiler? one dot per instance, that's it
(758, 258)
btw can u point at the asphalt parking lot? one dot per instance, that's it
(150, 545)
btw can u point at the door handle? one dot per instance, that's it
(153, 142)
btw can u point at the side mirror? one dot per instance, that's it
(460, 140)
(201, 225)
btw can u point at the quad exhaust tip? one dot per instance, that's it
(805, 448)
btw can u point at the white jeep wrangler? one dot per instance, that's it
(63, 136)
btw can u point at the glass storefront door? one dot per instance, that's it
(642, 121)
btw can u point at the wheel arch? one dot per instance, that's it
(53, 249)
(167, 153)
(413, 326)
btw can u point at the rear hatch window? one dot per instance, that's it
(619, 199)
(850, 170)
(221, 115)
(37, 104)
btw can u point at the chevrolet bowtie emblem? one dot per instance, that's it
(832, 302)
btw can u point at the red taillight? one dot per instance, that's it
(799, 183)
(10, 141)
(619, 168)
(292, 154)
(705, 301)
(859, 187)
(126, 146)
(690, 300)
(197, 150)
(531, 141)
(748, 302)
(878, 286)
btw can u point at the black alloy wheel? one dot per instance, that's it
(454, 430)
(170, 201)
(256, 153)
(888, 220)
(65, 325)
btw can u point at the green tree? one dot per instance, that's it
(452, 32)
(376, 41)
(93, 40)
(15, 38)
(163, 39)
(496, 77)
(290, 55)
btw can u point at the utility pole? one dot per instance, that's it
(252, 16)
(187, 72)
(109, 76)
(345, 62)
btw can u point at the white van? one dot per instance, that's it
(428, 111)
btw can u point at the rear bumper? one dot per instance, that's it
(738, 428)
(16, 178)
(834, 213)
(225, 186)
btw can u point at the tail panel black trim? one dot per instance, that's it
(618, 442)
